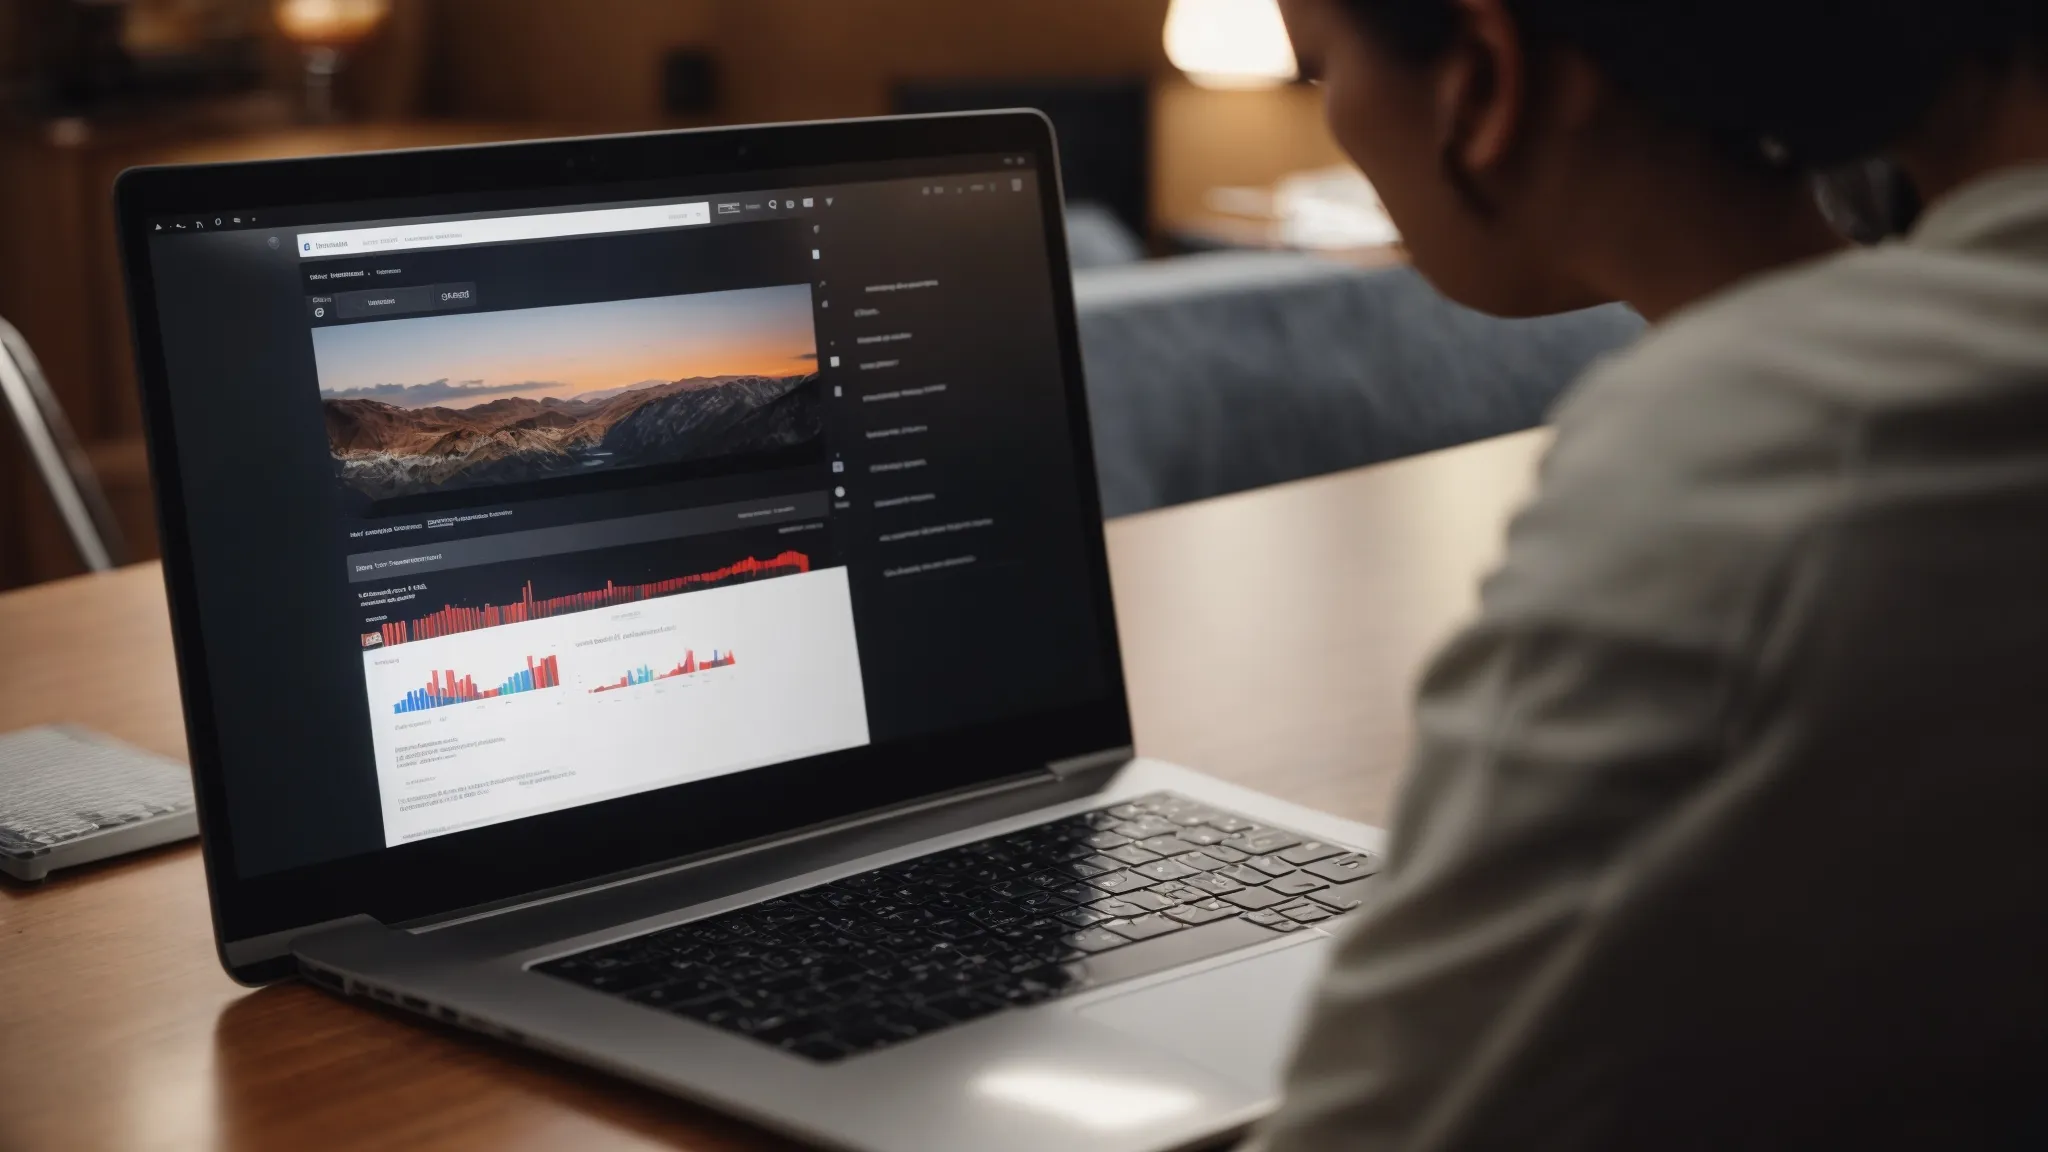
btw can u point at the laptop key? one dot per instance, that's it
(628, 978)
(1254, 899)
(997, 914)
(676, 993)
(1080, 893)
(718, 1009)
(1214, 883)
(1344, 869)
(1097, 939)
(1117, 883)
(1167, 845)
(1203, 913)
(1263, 841)
(1146, 827)
(1118, 908)
(1297, 884)
(1084, 917)
(1144, 927)
(1311, 852)
(1045, 902)
(1270, 865)
(1164, 870)
(1085, 868)
(1344, 897)
(1150, 901)
(1131, 854)
(1014, 889)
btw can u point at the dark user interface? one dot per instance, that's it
(501, 514)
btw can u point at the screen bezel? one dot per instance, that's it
(557, 850)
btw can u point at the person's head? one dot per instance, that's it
(1519, 144)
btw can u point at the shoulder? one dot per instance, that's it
(1818, 352)
(1684, 468)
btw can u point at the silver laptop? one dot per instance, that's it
(643, 599)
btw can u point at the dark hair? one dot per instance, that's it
(1812, 82)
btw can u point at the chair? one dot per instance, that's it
(73, 486)
(1224, 371)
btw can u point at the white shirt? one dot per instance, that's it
(1728, 824)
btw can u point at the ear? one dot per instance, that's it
(1483, 91)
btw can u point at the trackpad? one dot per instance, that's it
(1240, 1020)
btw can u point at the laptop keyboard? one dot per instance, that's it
(900, 952)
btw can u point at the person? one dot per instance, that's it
(1725, 828)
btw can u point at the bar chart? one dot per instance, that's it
(688, 667)
(453, 620)
(444, 688)
(500, 722)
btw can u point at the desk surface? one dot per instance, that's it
(118, 1028)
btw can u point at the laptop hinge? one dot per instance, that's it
(1093, 761)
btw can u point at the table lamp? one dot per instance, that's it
(326, 31)
(1230, 43)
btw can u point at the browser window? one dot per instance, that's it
(599, 498)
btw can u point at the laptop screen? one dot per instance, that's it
(497, 512)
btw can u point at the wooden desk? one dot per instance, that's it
(1270, 638)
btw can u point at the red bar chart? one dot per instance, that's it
(451, 620)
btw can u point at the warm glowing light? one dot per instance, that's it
(1230, 43)
(1097, 1102)
(330, 23)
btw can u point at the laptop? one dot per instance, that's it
(643, 599)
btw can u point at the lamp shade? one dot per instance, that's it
(1230, 43)
(330, 23)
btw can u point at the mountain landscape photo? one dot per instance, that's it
(385, 451)
(517, 397)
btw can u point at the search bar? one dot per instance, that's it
(501, 229)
